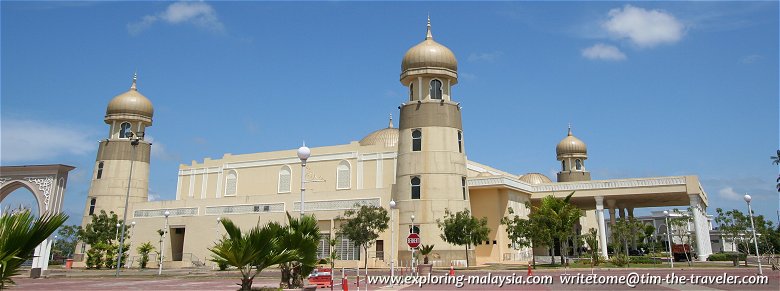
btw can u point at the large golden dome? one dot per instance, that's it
(429, 56)
(130, 105)
(535, 178)
(571, 146)
(386, 136)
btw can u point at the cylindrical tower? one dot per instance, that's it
(572, 153)
(129, 112)
(431, 169)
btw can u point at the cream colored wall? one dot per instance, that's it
(493, 204)
(258, 174)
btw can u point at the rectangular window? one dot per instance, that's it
(323, 247)
(92, 206)
(415, 187)
(100, 170)
(463, 183)
(460, 141)
(346, 249)
(380, 250)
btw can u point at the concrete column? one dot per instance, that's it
(703, 247)
(602, 226)
(622, 213)
(630, 211)
(611, 206)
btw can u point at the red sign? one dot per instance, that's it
(413, 240)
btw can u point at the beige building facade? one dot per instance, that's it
(421, 164)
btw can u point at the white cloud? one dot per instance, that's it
(158, 150)
(729, 193)
(33, 141)
(750, 59)
(198, 13)
(602, 51)
(645, 28)
(484, 57)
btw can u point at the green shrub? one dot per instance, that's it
(144, 249)
(642, 260)
(619, 260)
(95, 257)
(725, 257)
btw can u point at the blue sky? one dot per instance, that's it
(653, 88)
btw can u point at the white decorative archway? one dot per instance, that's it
(47, 184)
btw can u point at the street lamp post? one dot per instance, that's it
(413, 261)
(134, 141)
(669, 238)
(162, 241)
(116, 233)
(755, 241)
(392, 240)
(303, 153)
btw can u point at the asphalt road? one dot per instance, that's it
(208, 282)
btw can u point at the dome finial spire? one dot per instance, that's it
(428, 35)
(135, 78)
(391, 121)
(569, 129)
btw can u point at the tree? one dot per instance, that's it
(462, 229)
(253, 251)
(558, 216)
(20, 233)
(678, 227)
(102, 233)
(362, 226)
(592, 239)
(144, 249)
(623, 231)
(649, 237)
(526, 233)
(302, 235)
(67, 238)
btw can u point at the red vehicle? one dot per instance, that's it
(321, 277)
(682, 252)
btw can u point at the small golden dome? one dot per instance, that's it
(130, 105)
(572, 146)
(386, 136)
(431, 56)
(535, 178)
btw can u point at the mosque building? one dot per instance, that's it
(421, 164)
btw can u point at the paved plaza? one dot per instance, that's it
(210, 280)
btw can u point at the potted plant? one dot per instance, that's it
(425, 267)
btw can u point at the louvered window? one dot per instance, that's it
(343, 173)
(285, 176)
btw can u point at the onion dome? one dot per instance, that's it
(386, 136)
(130, 105)
(571, 146)
(535, 178)
(429, 57)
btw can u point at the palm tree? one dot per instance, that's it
(776, 158)
(425, 250)
(20, 233)
(258, 249)
(144, 249)
(302, 235)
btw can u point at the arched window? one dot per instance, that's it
(415, 187)
(231, 183)
(578, 164)
(92, 206)
(460, 141)
(416, 140)
(343, 176)
(435, 89)
(124, 129)
(411, 91)
(285, 177)
(100, 170)
(563, 165)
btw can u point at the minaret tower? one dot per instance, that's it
(129, 112)
(572, 153)
(431, 169)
